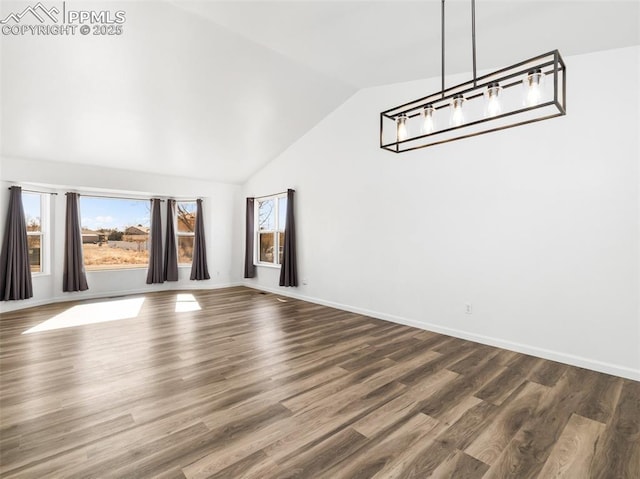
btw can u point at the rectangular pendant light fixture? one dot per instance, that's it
(529, 91)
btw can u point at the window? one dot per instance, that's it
(115, 232)
(271, 221)
(185, 231)
(36, 207)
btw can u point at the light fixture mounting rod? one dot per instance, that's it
(442, 45)
(473, 40)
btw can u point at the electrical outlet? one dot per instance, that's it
(468, 308)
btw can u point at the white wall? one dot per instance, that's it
(219, 200)
(536, 226)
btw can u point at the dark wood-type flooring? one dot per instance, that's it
(252, 386)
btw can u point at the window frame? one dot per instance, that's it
(188, 234)
(43, 232)
(276, 231)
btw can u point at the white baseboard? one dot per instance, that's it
(560, 357)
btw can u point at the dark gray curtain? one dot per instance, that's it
(170, 248)
(74, 277)
(249, 267)
(199, 262)
(289, 267)
(15, 272)
(155, 271)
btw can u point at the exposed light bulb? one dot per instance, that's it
(457, 116)
(533, 87)
(493, 107)
(428, 126)
(401, 126)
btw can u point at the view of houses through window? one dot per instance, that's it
(115, 232)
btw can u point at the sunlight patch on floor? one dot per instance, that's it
(91, 313)
(186, 302)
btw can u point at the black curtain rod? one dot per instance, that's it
(115, 197)
(272, 194)
(37, 191)
(118, 197)
(140, 199)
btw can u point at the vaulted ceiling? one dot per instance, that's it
(215, 90)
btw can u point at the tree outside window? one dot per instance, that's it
(185, 230)
(271, 221)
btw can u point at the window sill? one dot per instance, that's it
(268, 265)
(111, 269)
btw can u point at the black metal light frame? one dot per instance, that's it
(549, 64)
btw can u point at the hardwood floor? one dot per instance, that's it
(253, 386)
